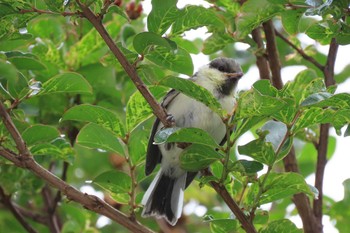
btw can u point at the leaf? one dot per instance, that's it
(188, 135)
(97, 115)
(7, 71)
(320, 33)
(246, 166)
(178, 60)
(189, 20)
(315, 98)
(144, 40)
(260, 150)
(138, 109)
(223, 225)
(281, 226)
(163, 14)
(291, 19)
(116, 182)
(39, 133)
(27, 63)
(194, 91)
(252, 103)
(66, 83)
(197, 157)
(94, 136)
(215, 42)
(282, 185)
(253, 13)
(118, 10)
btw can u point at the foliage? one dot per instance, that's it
(76, 107)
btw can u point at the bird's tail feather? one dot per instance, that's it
(164, 197)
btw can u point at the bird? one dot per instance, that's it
(164, 196)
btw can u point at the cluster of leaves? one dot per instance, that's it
(67, 95)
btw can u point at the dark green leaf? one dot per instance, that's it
(114, 181)
(188, 135)
(223, 225)
(189, 19)
(315, 98)
(253, 13)
(27, 63)
(94, 136)
(144, 40)
(118, 10)
(66, 83)
(194, 91)
(197, 157)
(138, 109)
(97, 115)
(215, 42)
(179, 60)
(163, 14)
(39, 133)
(281, 226)
(246, 166)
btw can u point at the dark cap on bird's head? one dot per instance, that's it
(231, 69)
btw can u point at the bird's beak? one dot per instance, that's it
(237, 75)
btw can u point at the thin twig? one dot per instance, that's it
(129, 69)
(53, 221)
(6, 200)
(221, 190)
(300, 51)
(35, 10)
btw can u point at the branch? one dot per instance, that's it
(129, 69)
(261, 61)
(273, 56)
(236, 210)
(300, 200)
(35, 10)
(324, 134)
(300, 51)
(90, 202)
(53, 220)
(6, 200)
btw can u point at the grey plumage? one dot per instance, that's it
(164, 197)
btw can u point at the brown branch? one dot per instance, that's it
(53, 220)
(272, 53)
(300, 51)
(31, 214)
(324, 135)
(129, 69)
(300, 200)
(6, 200)
(261, 61)
(236, 210)
(90, 202)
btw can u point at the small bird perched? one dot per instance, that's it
(164, 197)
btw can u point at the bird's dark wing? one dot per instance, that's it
(154, 156)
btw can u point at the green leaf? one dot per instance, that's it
(197, 157)
(118, 10)
(39, 133)
(246, 166)
(260, 150)
(163, 14)
(189, 19)
(315, 98)
(281, 185)
(66, 83)
(253, 13)
(252, 103)
(281, 226)
(188, 135)
(320, 33)
(144, 40)
(114, 181)
(18, 88)
(138, 109)
(97, 115)
(223, 225)
(7, 71)
(291, 19)
(216, 41)
(27, 63)
(94, 136)
(194, 91)
(179, 60)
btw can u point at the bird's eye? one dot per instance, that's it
(221, 68)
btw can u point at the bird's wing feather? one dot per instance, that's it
(154, 156)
